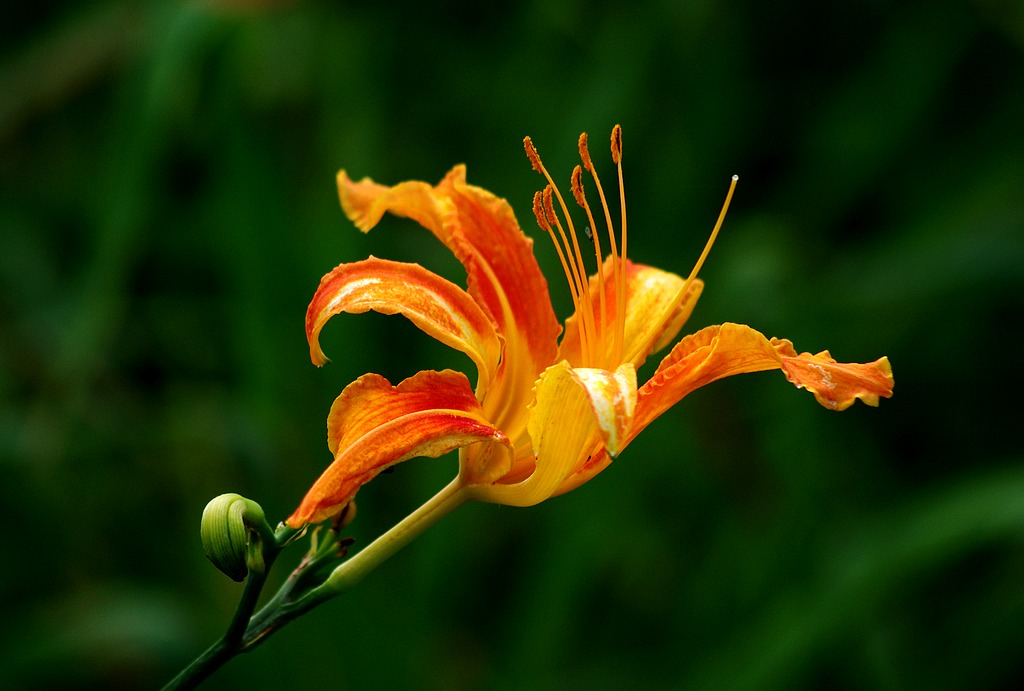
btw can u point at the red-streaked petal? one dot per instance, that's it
(654, 312)
(721, 351)
(437, 306)
(482, 232)
(502, 273)
(373, 425)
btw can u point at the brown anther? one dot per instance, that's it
(617, 144)
(531, 153)
(585, 153)
(549, 207)
(538, 211)
(577, 186)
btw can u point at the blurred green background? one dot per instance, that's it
(167, 207)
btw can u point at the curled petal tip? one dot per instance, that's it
(837, 385)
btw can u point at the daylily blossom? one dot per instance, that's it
(546, 415)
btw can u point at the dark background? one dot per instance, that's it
(167, 207)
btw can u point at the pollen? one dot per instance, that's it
(585, 153)
(549, 207)
(577, 187)
(538, 211)
(531, 153)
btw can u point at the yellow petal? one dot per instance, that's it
(374, 425)
(613, 399)
(577, 414)
(440, 308)
(562, 426)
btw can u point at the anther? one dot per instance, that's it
(585, 153)
(617, 144)
(549, 206)
(538, 211)
(577, 187)
(531, 153)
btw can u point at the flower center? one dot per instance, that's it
(602, 335)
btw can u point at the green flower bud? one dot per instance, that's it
(232, 530)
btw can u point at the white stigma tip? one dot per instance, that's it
(735, 177)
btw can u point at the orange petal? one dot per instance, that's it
(721, 351)
(654, 313)
(374, 425)
(837, 385)
(365, 202)
(440, 308)
(503, 276)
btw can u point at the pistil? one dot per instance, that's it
(711, 241)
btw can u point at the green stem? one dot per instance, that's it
(202, 667)
(228, 645)
(247, 630)
(279, 611)
(412, 526)
(246, 605)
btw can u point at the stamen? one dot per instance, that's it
(538, 211)
(618, 267)
(577, 187)
(572, 258)
(531, 153)
(593, 337)
(585, 153)
(587, 315)
(549, 207)
(620, 294)
(581, 199)
(545, 212)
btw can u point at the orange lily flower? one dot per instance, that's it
(545, 415)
